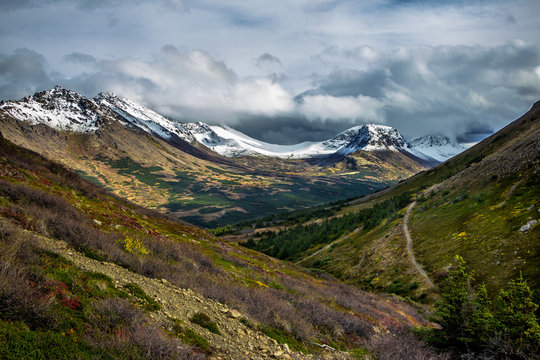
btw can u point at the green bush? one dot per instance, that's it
(204, 321)
(148, 303)
(190, 337)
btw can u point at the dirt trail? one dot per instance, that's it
(410, 240)
(237, 341)
(409, 244)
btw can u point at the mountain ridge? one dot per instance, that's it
(67, 110)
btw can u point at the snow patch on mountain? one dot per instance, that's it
(58, 108)
(438, 147)
(143, 117)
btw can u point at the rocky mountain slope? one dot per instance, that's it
(170, 166)
(85, 274)
(482, 205)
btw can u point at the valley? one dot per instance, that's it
(334, 249)
(473, 205)
(79, 266)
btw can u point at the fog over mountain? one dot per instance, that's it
(286, 72)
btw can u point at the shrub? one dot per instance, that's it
(134, 245)
(149, 304)
(122, 330)
(204, 321)
(190, 337)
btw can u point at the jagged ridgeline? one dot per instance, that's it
(86, 274)
(209, 175)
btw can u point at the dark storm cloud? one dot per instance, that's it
(22, 73)
(290, 129)
(443, 89)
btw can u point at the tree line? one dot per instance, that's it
(290, 243)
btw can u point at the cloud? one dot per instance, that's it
(454, 90)
(414, 65)
(186, 84)
(356, 109)
(450, 89)
(268, 62)
(80, 58)
(22, 73)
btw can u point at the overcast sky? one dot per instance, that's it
(285, 70)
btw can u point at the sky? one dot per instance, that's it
(286, 71)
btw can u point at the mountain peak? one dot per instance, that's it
(367, 137)
(58, 108)
(439, 147)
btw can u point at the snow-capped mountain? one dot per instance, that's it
(143, 117)
(438, 147)
(58, 108)
(67, 110)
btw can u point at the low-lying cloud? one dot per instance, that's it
(453, 90)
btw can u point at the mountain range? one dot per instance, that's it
(67, 110)
(208, 174)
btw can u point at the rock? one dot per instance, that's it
(530, 208)
(97, 222)
(235, 314)
(278, 354)
(286, 348)
(164, 281)
(528, 226)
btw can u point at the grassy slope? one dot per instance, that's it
(152, 173)
(44, 198)
(476, 211)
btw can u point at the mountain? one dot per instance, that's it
(181, 168)
(481, 204)
(58, 108)
(439, 147)
(67, 110)
(85, 275)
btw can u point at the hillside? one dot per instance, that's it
(85, 274)
(158, 163)
(476, 205)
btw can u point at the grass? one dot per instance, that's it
(148, 303)
(204, 321)
(484, 229)
(18, 341)
(190, 337)
(283, 337)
